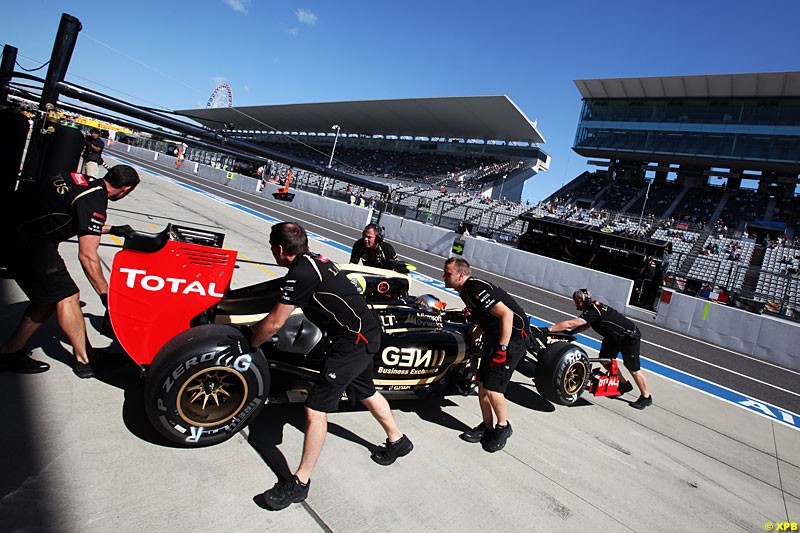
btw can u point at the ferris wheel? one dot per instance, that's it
(221, 97)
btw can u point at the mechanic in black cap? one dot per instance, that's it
(330, 301)
(619, 334)
(372, 250)
(505, 329)
(52, 210)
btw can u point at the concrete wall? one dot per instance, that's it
(761, 336)
(551, 274)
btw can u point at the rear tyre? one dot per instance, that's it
(205, 385)
(562, 371)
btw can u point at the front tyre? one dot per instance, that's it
(562, 371)
(204, 386)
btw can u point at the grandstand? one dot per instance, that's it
(674, 152)
(675, 156)
(480, 143)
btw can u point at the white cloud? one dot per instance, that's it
(292, 31)
(219, 79)
(305, 16)
(239, 5)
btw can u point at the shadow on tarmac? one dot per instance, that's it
(25, 491)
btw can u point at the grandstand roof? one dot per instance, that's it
(759, 85)
(460, 117)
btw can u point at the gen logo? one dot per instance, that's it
(412, 357)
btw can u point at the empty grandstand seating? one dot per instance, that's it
(778, 282)
(682, 243)
(725, 263)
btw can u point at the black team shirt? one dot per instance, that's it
(329, 300)
(480, 296)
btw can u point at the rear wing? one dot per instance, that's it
(160, 282)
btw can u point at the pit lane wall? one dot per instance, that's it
(551, 274)
(762, 336)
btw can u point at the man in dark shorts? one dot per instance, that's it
(330, 301)
(51, 211)
(372, 250)
(92, 154)
(505, 328)
(619, 334)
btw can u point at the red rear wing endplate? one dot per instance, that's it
(154, 296)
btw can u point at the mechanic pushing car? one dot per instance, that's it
(51, 211)
(372, 250)
(330, 301)
(619, 334)
(504, 326)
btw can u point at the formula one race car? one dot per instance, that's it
(172, 311)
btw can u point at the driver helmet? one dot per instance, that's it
(429, 302)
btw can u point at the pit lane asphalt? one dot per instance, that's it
(746, 374)
(79, 455)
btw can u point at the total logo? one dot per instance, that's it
(153, 283)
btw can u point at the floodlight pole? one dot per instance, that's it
(330, 161)
(334, 127)
(644, 204)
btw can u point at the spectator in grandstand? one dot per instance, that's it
(619, 334)
(504, 327)
(92, 154)
(372, 250)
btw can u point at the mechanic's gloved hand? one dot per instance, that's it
(499, 357)
(545, 331)
(121, 231)
(104, 300)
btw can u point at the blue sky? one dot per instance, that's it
(173, 54)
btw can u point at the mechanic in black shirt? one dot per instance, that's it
(372, 250)
(330, 301)
(93, 154)
(619, 334)
(505, 328)
(51, 211)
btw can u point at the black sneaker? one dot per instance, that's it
(285, 493)
(496, 440)
(476, 434)
(390, 451)
(625, 388)
(83, 370)
(21, 363)
(642, 402)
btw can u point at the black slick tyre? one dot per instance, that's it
(204, 386)
(562, 371)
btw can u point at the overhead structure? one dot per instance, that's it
(732, 125)
(486, 118)
(757, 85)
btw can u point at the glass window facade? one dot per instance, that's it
(747, 129)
